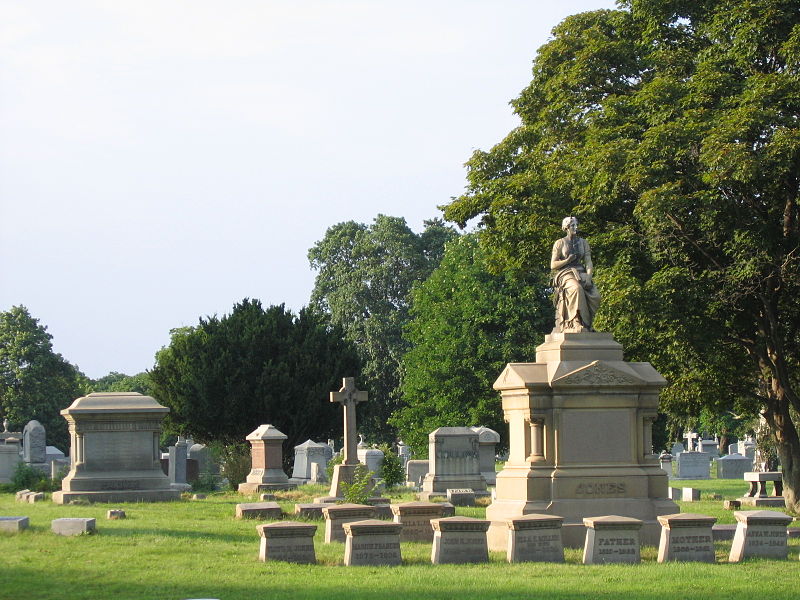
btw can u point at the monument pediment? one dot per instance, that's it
(596, 373)
(517, 375)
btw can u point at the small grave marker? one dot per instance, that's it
(686, 537)
(611, 539)
(13, 524)
(72, 526)
(288, 541)
(535, 538)
(458, 540)
(258, 510)
(372, 542)
(760, 533)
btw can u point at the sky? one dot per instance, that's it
(161, 160)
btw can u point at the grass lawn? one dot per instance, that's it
(196, 549)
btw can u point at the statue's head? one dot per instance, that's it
(568, 222)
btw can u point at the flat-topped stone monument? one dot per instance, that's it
(266, 454)
(416, 519)
(535, 538)
(760, 533)
(459, 540)
(686, 537)
(114, 450)
(372, 542)
(580, 421)
(9, 457)
(454, 462)
(733, 466)
(287, 541)
(612, 539)
(694, 465)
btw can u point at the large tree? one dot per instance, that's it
(466, 324)
(228, 375)
(673, 129)
(35, 382)
(364, 280)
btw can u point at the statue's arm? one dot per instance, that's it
(555, 262)
(587, 258)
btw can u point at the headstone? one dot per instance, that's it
(461, 496)
(21, 494)
(309, 510)
(72, 526)
(487, 449)
(372, 542)
(710, 447)
(348, 396)
(115, 514)
(177, 465)
(458, 540)
(306, 455)
(760, 533)
(318, 474)
(287, 541)
(665, 461)
(674, 493)
(266, 497)
(580, 439)
(373, 459)
(757, 495)
(694, 465)
(732, 504)
(258, 510)
(733, 466)
(686, 537)
(749, 448)
(404, 452)
(454, 463)
(266, 457)
(205, 463)
(13, 524)
(611, 539)
(9, 457)
(690, 495)
(416, 470)
(676, 449)
(692, 441)
(535, 538)
(59, 468)
(734, 448)
(33, 497)
(34, 445)
(416, 519)
(114, 450)
(337, 515)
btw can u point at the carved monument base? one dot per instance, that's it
(579, 433)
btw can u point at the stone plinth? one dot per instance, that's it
(612, 539)
(461, 497)
(288, 541)
(760, 533)
(733, 466)
(416, 519)
(458, 540)
(416, 470)
(9, 457)
(337, 515)
(258, 510)
(372, 542)
(686, 537)
(757, 495)
(309, 511)
(13, 524)
(454, 462)
(72, 526)
(306, 455)
(487, 443)
(266, 455)
(114, 450)
(694, 465)
(580, 439)
(535, 538)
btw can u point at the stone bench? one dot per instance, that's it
(757, 494)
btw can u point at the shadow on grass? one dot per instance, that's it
(178, 534)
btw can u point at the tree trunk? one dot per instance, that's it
(787, 444)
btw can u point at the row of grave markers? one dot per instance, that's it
(532, 538)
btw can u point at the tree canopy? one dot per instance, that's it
(35, 382)
(466, 324)
(672, 129)
(228, 375)
(365, 274)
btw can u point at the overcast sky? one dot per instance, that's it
(161, 160)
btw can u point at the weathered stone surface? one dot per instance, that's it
(372, 542)
(267, 497)
(337, 515)
(258, 510)
(72, 526)
(33, 497)
(288, 541)
(611, 539)
(266, 457)
(535, 538)
(21, 495)
(686, 537)
(115, 514)
(383, 511)
(454, 463)
(760, 533)
(458, 540)
(416, 519)
(416, 470)
(674, 493)
(114, 450)
(309, 511)
(13, 524)
(694, 465)
(198, 496)
(580, 440)
(461, 496)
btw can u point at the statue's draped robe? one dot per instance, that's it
(572, 296)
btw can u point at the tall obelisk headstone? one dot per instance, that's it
(348, 397)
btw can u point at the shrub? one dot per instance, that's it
(205, 483)
(28, 477)
(236, 463)
(392, 468)
(358, 492)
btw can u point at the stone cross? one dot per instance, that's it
(348, 397)
(690, 437)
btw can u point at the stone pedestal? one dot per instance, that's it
(580, 439)
(267, 462)
(686, 537)
(760, 533)
(114, 450)
(612, 539)
(337, 515)
(454, 462)
(459, 540)
(535, 538)
(416, 519)
(372, 542)
(288, 541)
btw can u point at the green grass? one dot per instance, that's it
(196, 549)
